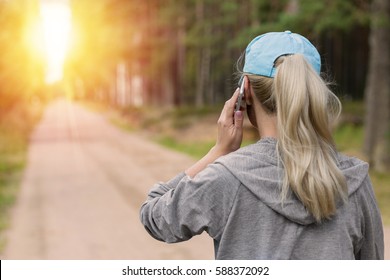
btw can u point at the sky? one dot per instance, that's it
(56, 20)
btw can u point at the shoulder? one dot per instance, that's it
(356, 172)
(346, 162)
(260, 154)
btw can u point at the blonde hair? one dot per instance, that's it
(305, 108)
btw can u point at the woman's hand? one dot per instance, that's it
(229, 139)
(230, 127)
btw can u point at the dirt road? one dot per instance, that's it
(82, 190)
(84, 183)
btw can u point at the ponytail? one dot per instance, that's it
(304, 112)
(305, 109)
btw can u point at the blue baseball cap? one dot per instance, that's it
(264, 50)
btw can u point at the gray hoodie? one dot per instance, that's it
(237, 201)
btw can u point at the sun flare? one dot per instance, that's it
(56, 24)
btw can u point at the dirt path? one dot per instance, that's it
(387, 242)
(84, 183)
(82, 190)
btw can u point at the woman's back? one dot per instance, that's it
(261, 227)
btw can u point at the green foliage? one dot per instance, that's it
(167, 43)
(316, 17)
(194, 149)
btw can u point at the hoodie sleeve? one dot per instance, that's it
(183, 207)
(372, 246)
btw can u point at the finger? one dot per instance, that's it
(228, 109)
(227, 114)
(234, 97)
(238, 119)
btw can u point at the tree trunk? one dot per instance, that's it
(179, 62)
(377, 122)
(204, 63)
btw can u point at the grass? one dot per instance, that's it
(194, 149)
(11, 166)
(381, 183)
(15, 128)
(349, 139)
(10, 175)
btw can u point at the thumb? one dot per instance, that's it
(238, 119)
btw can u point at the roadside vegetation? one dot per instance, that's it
(15, 127)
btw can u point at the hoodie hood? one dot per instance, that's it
(258, 169)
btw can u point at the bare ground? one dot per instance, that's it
(82, 189)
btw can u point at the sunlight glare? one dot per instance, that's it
(56, 21)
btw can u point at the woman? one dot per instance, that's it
(291, 195)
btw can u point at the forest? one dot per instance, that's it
(183, 53)
(102, 81)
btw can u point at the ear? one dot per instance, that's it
(248, 93)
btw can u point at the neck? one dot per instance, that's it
(266, 124)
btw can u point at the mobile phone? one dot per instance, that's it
(241, 84)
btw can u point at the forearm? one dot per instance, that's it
(209, 158)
